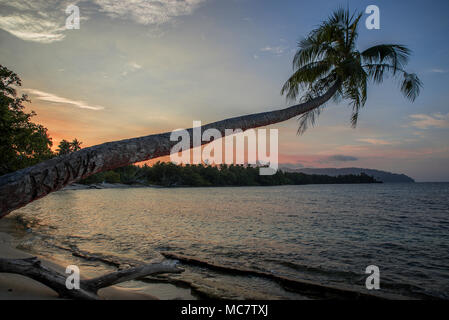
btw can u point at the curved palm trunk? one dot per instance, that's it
(24, 186)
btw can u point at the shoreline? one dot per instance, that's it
(18, 287)
(104, 185)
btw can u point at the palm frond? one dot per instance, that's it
(339, 17)
(319, 45)
(310, 50)
(357, 95)
(353, 34)
(378, 71)
(308, 119)
(410, 83)
(411, 86)
(304, 77)
(395, 55)
(358, 102)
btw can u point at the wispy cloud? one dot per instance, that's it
(49, 97)
(425, 121)
(131, 67)
(375, 141)
(291, 166)
(148, 11)
(43, 21)
(135, 65)
(34, 20)
(341, 158)
(278, 50)
(438, 70)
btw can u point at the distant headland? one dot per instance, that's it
(384, 176)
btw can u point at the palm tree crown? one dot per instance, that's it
(329, 56)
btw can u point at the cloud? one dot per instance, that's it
(131, 67)
(438, 70)
(424, 121)
(340, 157)
(34, 20)
(375, 141)
(134, 65)
(49, 97)
(43, 21)
(291, 166)
(148, 11)
(278, 50)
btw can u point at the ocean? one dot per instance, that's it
(254, 242)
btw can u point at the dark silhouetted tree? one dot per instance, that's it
(22, 142)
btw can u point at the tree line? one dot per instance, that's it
(168, 174)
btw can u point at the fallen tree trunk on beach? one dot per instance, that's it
(34, 269)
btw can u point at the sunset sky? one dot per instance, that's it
(140, 67)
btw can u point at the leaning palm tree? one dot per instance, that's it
(327, 66)
(328, 61)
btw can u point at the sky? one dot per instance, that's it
(143, 66)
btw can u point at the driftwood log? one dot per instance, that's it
(34, 269)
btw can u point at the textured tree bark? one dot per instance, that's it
(24, 186)
(32, 268)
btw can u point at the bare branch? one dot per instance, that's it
(33, 268)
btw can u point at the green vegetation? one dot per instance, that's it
(172, 175)
(22, 142)
(66, 147)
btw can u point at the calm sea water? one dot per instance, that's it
(327, 234)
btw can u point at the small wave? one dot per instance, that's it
(301, 286)
(107, 259)
(309, 269)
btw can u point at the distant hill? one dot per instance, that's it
(383, 176)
